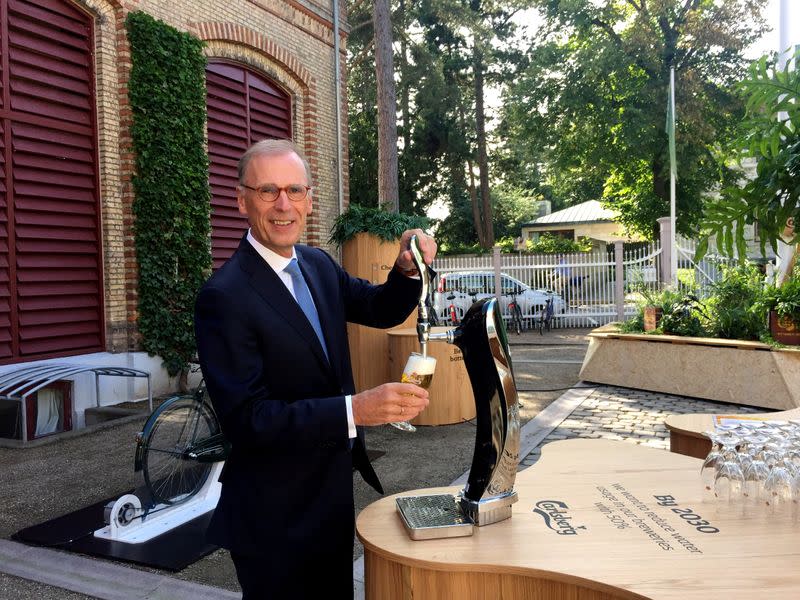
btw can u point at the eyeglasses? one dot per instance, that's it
(269, 192)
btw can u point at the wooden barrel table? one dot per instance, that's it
(451, 397)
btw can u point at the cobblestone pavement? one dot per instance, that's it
(630, 415)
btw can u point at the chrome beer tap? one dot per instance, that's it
(489, 493)
(423, 317)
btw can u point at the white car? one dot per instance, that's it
(461, 289)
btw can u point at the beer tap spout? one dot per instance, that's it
(423, 319)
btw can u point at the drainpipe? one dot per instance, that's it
(338, 84)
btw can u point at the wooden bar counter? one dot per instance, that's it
(595, 520)
(451, 397)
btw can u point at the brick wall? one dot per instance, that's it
(291, 42)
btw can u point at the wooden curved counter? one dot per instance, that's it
(588, 525)
(451, 397)
(686, 432)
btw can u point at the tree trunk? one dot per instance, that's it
(405, 88)
(660, 189)
(477, 216)
(405, 193)
(387, 107)
(487, 239)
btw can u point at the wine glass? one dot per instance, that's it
(778, 489)
(729, 479)
(778, 486)
(755, 473)
(711, 464)
(418, 370)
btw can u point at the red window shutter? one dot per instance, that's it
(50, 248)
(5, 278)
(243, 107)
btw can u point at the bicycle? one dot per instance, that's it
(545, 316)
(516, 322)
(452, 312)
(177, 446)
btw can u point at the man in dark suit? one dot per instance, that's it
(273, 347)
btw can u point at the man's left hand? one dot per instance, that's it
(427, 245)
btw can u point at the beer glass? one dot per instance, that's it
(419, 371)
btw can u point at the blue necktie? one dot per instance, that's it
(303, 297)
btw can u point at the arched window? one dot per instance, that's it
(243, 107)
(50, 269)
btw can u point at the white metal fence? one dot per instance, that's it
(587, 282)
(703, 273)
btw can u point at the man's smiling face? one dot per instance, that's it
(279, 224)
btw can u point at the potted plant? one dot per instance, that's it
(369, 239)
(783, 304)
(650, 303)
(377, 221)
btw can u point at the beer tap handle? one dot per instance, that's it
(423, 319)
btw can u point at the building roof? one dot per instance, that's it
(585, 212)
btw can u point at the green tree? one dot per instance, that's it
(588, 109)
(769, 135)
(446, 48)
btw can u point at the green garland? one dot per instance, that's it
(172, 198)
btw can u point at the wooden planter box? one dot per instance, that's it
(368, 257)
(735, 371)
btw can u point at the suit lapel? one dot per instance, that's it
(270, 287)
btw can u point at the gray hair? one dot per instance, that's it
(272, 148)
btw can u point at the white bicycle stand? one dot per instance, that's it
(127, 524)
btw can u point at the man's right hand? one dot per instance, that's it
(389, 403)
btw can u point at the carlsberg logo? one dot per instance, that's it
(556, 518)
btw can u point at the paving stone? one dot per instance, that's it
(634, 416)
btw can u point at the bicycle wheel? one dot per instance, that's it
(170, 474)
(518, 319)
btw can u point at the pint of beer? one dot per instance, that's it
(419, 371)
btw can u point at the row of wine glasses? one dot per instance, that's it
(754, 468)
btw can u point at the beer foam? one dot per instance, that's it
(421, 365)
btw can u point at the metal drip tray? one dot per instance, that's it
(432, 517)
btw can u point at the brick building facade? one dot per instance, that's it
(290, 43)
(286, 44)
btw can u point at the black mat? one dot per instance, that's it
(172, 551)
(374, 455)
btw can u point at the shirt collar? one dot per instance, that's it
(272, 258)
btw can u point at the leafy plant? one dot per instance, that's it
(785, 299)
(770, 134)
(649, 294)
(450, 249)
(554, 244)
(172, 198)
(386, 225)
(735, 307)
(683, 316)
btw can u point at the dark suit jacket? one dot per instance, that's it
(287, 490)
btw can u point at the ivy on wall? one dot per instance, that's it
(172, 199)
